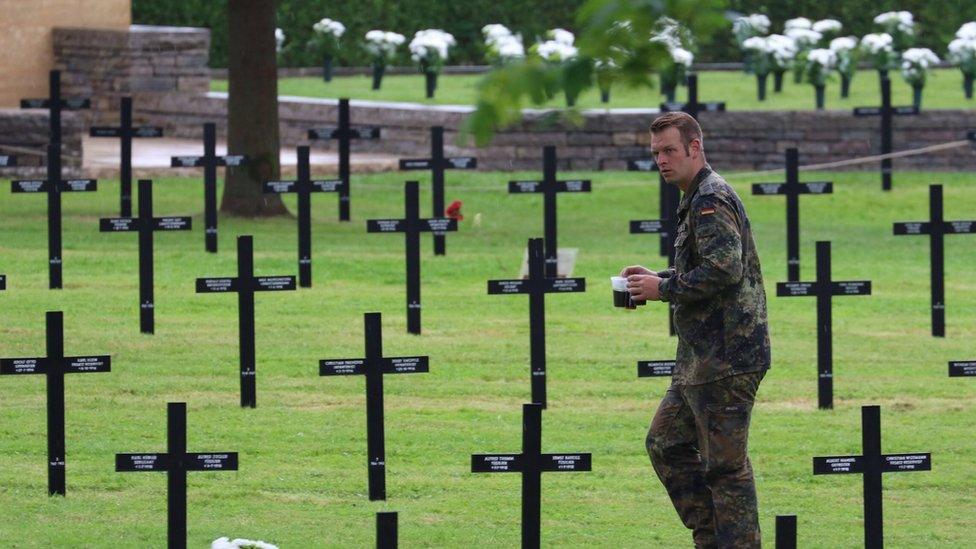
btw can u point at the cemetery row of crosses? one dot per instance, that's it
(543, 278)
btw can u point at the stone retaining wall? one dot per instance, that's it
(25, 133)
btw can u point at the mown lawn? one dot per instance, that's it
(302, 478)
(737, 89)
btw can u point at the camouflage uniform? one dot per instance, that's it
(698, 438)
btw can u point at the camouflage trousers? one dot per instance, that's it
(698, 444)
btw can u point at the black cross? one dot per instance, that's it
(54, 103)
(549, 186)
(962, 368)
(176, 462)
(55, 365)
(437, 163)
(886, 111)
(872, 463)
(3, 282)
(303, 186)
(793, 189)
(666, 226)
(531, 463)
(344, 133)
(209, 162)
(537, 286)
(936, 228)
(824, 289)
(374, 366)
(53, 185)
(411, 227)
(8, 161)
(693, 106)
(245, 284)
(785, 531)
(655, 368)
(145, 225)
(126, 132)
(386, 530)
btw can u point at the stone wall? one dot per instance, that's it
(733, 140)
(25, 133)
(139, 61)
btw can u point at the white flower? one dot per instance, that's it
(797, 23)
(509, 48)
(682, 56)
(827, 25)
(877, 42)
(756, 24)
(279, 39)
(922, 57)
(561, 36)
(783, 49)
(328, 26)
(759, 22)
(430, 45)
(225, 543)
(383, 44)
(844, 43)
(804, 37)
(551, 50)
(896, 20)
(756, 43)
(961, 48)
(967, 31)
(824, 57)
(494, 32)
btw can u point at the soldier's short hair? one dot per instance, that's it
(687, 126)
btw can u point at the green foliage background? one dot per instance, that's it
(937, 21)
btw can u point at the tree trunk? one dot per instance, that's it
(252, 109)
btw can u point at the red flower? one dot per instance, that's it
(454, 210)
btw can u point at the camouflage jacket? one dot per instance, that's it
(716, 285)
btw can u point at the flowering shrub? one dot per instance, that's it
(429, 48)
(900, 25)
(501, 45)
(820, 62)
(915, 63)
(880, 50)
(748, 26)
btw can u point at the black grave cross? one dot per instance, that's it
(386, 530)
(345, 133)
(245, 284)
(936, 227)
(126, 132)
(785, 531)
(666, 226)
(531, 463)
(437, 163)
(145, 225)
(537, 286)
(655, 368)
(962, 368)
(209, 162)
(411, 226)
(886, 111)
(793, 189)
(8, 161)
(693, 106)
(824, 289)
(303, 187)
(55, 365)
(374, 367)
(549, 186)
(176, 462)
(53, 186)
(871, 464)
(54, 103)
(3, 282)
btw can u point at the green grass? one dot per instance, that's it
(737, 89)
(302, 478)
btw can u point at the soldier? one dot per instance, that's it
(698, 438)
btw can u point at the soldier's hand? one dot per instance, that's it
(636, 270)
(644, 287)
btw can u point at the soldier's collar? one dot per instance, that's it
(693, 188)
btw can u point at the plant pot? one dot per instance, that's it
(845, 86)
(327, 68)
(378, 71)
(882, 75)
(604, 96)
(820, 97)
(777, 81)
(917, 95)
(761, 86)
(430, 79)
(669, 92)
(967, 85)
